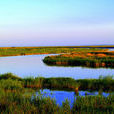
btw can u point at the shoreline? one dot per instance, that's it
(18, 51)
(62, 83)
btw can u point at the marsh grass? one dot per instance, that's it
(15, 98)
(94, 104)
(31, 82)
(11, 81)
(10, 84)
(15, 51)
(17, 103)
(86, 59)
(9, 76)
(103, 83)
(60, 83)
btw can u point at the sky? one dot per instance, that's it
(56, 22)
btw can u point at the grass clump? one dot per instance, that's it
(31, 82)
(86, 59)
(94, 104)
(45, 105)
(10, 84)
(60, 83)
(9, 76)
(14, 102)
(103, 83)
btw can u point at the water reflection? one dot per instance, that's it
(61, 96)
(111, 49)
(32, 65)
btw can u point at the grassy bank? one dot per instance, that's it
(17, 102)
(86, 59)
(103, 83)
(16, 51)
(15, 96)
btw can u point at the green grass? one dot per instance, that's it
(15, 51)
(17, 103)
(15, 96)
(31, 82)
(94, 104)
(9, 76)
(105, 83)
(11, 84)
(94, 60)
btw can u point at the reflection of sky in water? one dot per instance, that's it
(32, 65)
(60, 96)
(111, 49)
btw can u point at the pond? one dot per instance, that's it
(33, 65)
(61, 96)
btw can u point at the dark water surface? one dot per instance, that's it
(61, 96)
(33, 65)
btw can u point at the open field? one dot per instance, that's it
(15, 96)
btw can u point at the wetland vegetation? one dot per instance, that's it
(16, 51)
(103, 83)
(87, 59)
(17, 95)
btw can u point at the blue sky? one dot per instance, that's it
(56, 22)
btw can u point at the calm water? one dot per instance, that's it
(32, 65)
(61, 96)
(111, 49)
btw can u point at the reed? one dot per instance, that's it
(94, 104)
(106, 83)
(14, 98)
(91, 59)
